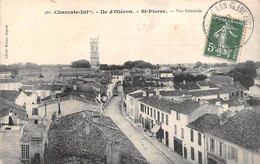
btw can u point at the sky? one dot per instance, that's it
(157, 38)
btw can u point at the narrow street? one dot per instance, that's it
(146, 148)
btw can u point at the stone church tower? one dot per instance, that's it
(94, 56)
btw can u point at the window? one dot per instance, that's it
(212, 145)
(199, 138)
(162, 118)
(167, 120)
(151, 112)
(233, 153)
(175, 129)
(182, 133)
(191, 136)
(148, 111)
(163, 134)
(154, 114)
(192, 153)
(158, 116)
(35, 111)
(25, 151)
(221, 154)
(141, 106)
(178, 116)
(144, 108)
(35, 121)
(199, 157)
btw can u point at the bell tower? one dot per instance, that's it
(94, 55)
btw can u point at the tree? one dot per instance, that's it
(181, 77)
(104, 67)
(205, 65)
(198, 64)
(200, 77)
(244, 73)
(253, 101)
(138, 64)
(139, 81)
(80, 64)
(32, 66)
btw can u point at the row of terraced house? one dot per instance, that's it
(205, 122)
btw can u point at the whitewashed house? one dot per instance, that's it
(236, 140)
(10, 84)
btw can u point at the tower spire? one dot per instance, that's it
(94, 54)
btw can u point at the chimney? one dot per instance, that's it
(157, 92)
(160, 97)
(224, 117)
(74, 87)
(202, 102)
(218, 103)
(96, 117)
(53, 96)
(113, 153)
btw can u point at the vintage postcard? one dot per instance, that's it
(129, 81)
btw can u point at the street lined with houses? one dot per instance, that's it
(195, 113)
(147, 149)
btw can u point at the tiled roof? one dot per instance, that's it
(75, 71)
(167, 105)
(166, 71)
(205, 122)
(242, 129)
(30, 82)
(213, 101)
(28, 93)
(6, 105)
(130, 89)
(26, 88)
(237, 87)
(165, 79)
(174, 93)
(48, 87)
(207, 83)
(137, 95)
(187, 86)
(77, 135)
(220, 78)
(32, 132)
(9, 95)
(9, 81)
(28, 73)
(205, 92)
(230, 102)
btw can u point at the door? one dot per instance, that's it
(212, 161)
(185, 152)
(178, 146)
(167, 138)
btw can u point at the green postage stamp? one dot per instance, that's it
(225, 38)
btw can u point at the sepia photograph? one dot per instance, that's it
(129, 82)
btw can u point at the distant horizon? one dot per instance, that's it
(155, 38)
(229, 63)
